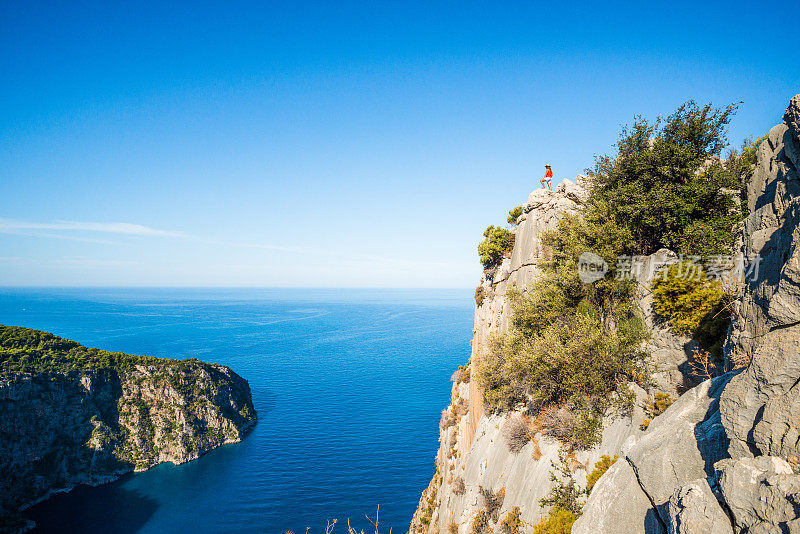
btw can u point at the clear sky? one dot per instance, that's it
(334, 144)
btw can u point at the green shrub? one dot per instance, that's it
(575, 361)
(694, 305)
(564, 499)
(600, 467)
(23, 350)
(565, 493)
(573, 348)
(661, 402)
(513, 215)
(667, 185)
(479, 296)
(558, 522)
(512, 523)
(497, 244)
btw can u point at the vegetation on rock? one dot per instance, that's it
(565, 493)
(492, 501)
(667, 185)
(516, 434)
(695, 305)
(572, 347)
(497, 243)
(513, 215)
(480, 294)
(512, 523)
(661, 402)
(558, 522)
(600, 468)
(480, 524)
(23, 350)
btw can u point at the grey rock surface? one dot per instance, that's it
(761, 407)
(763, 494)
(679, 447)
(694, 508)
(619, 505)
(716, 460)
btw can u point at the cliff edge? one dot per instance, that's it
(474, 461)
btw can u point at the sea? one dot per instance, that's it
(348, 384)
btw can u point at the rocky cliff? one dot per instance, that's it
(71, 415)
(724, 458)
(474, 456)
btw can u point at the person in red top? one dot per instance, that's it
(548, 176)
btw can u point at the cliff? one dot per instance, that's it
(474, 455)
(71, 415)
(724, 458)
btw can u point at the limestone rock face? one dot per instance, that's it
(679, 447)
(763, 494)
(761, 407)
(716, 460)
(669, 351)
(473, 452)
(64, 429)
(619, 505)
(694, 508)
(541, 213)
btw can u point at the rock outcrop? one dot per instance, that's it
(761, 407)
(724, 457)
(474, 454)
(89, 426)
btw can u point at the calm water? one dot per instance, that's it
(348, 385)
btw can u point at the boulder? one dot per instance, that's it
(618, 505)
(679, 447)
(694, 508)
(763, 494)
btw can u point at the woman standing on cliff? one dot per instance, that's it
(548, 176)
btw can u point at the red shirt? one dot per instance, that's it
(548, 174)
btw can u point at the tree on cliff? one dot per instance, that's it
(667, 184)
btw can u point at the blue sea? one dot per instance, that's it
(348, 385)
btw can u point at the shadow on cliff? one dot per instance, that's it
(109, 508)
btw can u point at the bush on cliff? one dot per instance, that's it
(569, 345)
(667, 185)
(480, 294)
(513, 215)
(497, 243)
(564, 499)
(572, 347)
(558, 522)
(695, 305)
(600, 468)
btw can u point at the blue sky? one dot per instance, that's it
(334, 144)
